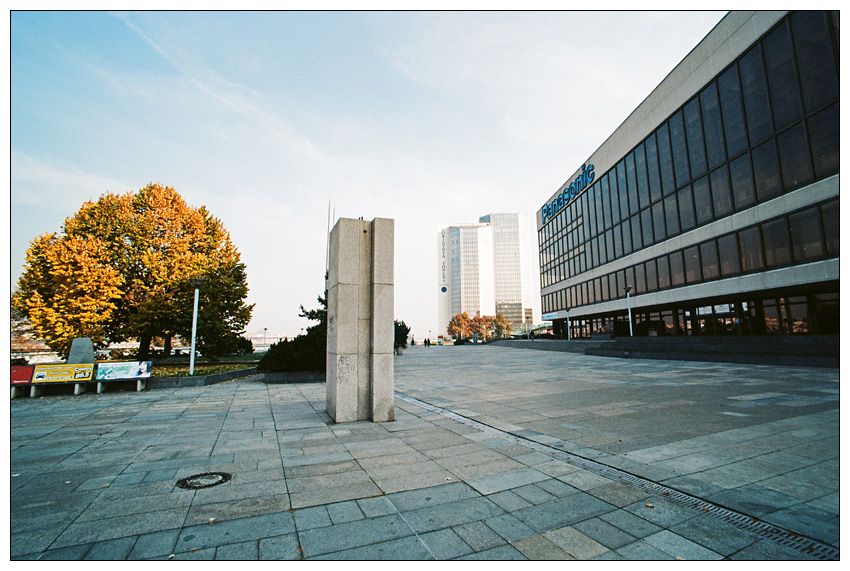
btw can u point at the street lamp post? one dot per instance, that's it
(264, 338)
(629, 306)
(569, 331)
(197, 282)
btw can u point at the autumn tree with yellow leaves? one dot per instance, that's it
(120, 270)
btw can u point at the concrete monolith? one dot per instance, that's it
(359, 377)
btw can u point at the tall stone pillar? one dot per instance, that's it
(360, 382)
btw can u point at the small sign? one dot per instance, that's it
(127, 370)
(62, 373)
(22, 374)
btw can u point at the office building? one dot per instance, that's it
(714, 208)
(486, 268)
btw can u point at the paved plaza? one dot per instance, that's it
(496, 453)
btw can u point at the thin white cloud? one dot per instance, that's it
(59, 187)
(239, 99)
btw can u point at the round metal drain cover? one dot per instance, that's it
(205, 480)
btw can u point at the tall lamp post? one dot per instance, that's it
(629, 306)
(197, 282)
(264, 338)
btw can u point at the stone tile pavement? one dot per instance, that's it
(495, 454)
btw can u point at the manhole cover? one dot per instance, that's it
(205, 480)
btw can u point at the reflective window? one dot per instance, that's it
(754, 87)
(806, 235)
(794, 158)
(777, 246)
(751, 253)
(640, 279)
(622, 190)
(604, 204)
(702, 201)
(646, 224)
(818, 75)
(637, 237)
(721, 192)
(824, 137)
(627, 236)
(829, 213)
(651, 276)
(663, 273)
(710, 261)
(686, 208)
(671, 215)
(732, 106)
(665, 159)
(782, 77)
(677, 269)
(631, 180)
(712, 126)
(679, 148)
(618, 241)
(615, 197)
(766, 171)
(730, 261)
(652, 170)
(693, 272)
(743, 189)
(642, 177)
(696, 145)
(659, 222)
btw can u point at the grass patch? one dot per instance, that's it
(182, 370)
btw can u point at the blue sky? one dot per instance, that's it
(429, 118)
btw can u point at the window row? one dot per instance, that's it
(804, 236)
(762, 128)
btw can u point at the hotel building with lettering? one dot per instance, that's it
(715, 204)
(486, 268)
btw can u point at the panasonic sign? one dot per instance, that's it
(569, 193)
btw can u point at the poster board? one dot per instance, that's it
(62, 373)
(130, 370)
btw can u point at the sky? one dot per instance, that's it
(267, 118)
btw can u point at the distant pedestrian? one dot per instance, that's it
(412, 341)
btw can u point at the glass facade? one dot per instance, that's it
(764, 127)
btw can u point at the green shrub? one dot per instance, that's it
(303, 353)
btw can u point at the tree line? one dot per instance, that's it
(464, 327)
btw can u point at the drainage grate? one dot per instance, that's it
(787, 538)
(205, 480)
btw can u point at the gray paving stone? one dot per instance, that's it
(501, 553)
(630, 523)
(563, 512)
(344, 512)
(680, 547)
(234, 531)
(478, 535)
(405, 549)
(111, 550)
(321, 541)
(244, 551)
(374, 507)
(714, 534)
(534, 494)
(445, 544)
(447, 515)
(311, 518)
(608, 535)
(509, 527)
(279, 547)
(509, 501)
(152, 545)
(437, 495)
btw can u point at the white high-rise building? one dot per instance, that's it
(487, 268)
